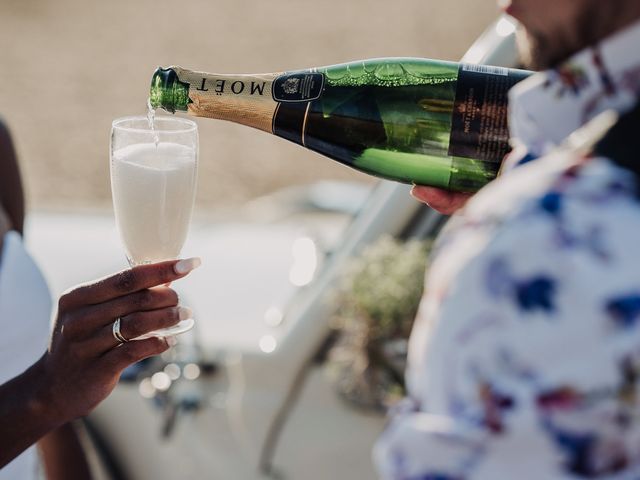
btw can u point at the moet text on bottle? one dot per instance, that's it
(221, 86)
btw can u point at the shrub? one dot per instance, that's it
(376, 303)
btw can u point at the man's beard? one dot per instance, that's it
(537, 52)
(543, 50)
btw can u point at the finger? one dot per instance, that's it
(443, 201)
(128, 281)
(137, 324)
(132, 352)
(86, 320)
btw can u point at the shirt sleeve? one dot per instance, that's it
(524, 359)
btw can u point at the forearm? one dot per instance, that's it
(63, 455)
(25, 415)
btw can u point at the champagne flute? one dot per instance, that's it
(153, 184)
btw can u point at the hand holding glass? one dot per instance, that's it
(153, 183)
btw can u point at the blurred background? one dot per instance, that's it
(70, 67)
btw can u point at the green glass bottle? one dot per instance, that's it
(410, 120)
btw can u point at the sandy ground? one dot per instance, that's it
(70, 66)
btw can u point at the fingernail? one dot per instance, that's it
(171, 341)
(186, 265)
(184, 313)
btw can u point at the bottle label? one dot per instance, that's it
(298, 87)
(244, 99)
(479, 123)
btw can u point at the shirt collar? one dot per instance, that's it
(547, 107)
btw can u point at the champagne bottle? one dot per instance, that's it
(405, 119)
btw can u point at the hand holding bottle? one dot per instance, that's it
(443, 201)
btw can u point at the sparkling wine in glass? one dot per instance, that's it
(153, 183)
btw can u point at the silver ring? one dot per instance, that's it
(116, 332)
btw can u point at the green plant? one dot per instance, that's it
(376, 303)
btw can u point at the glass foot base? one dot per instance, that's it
(183, 326)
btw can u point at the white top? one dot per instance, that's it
(524, 361)
(25, 313)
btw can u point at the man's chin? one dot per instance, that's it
(537, 52)
(533, 50)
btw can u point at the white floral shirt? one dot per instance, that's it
(524, 360)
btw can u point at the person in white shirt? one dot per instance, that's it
(524, 359)
(49, 377)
